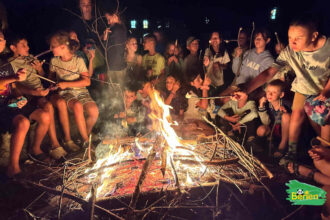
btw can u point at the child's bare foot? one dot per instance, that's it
(301, 171)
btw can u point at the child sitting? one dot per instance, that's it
(16, 114)
(32, 88)
(244, 114)
(175, 97)
(275, 118)
(194, 123)
(133, 120)
(72, 74)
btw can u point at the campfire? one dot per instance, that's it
(158, 162)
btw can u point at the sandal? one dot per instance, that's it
(279, 153)
(286, 159)
(57, 153)
(309, 177)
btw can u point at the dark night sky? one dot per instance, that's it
(37, 18)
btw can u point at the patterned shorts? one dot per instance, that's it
(82, 95)
(317, 110)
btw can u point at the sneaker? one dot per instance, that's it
(57, 153)
(71, 146)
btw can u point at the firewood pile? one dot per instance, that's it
(127, 170)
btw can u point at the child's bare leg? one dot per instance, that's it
(319, 177)
(263, 130)
(325, 133)
(48, 107)
(92, 112)
(43, 121)
(21, 125)
(285, 123)
(326, 207)
(60, 104)
(78, 111)
(297, 119)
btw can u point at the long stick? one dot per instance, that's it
(70, 196)
(277, 39)
(251, 37)
(142, 177)
(188, 96)
(44, 78)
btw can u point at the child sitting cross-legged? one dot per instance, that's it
(275, 117)
(244, 116)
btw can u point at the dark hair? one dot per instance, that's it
(309, 21)
(264, 32)
(222, 47)
(279, 83)
(14, 39)
(194, 71)
(178, 47)
(132, 87)
(63, 38)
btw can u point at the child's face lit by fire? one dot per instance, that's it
(170, 81)
(260, 42)
(193, 47)
(300, 38)
(21, 48)
(132, 45)
(56, 48)
(129, 97)
(197, 83)
(2, 42)
(215, 40)
(273, 93)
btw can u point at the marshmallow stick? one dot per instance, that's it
(189, 96)
(251, 37)
(42, 53)
(277, 38)
(44, 78)
(239, 32)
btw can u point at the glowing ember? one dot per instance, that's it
(177, 162)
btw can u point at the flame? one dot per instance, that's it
(162, 124)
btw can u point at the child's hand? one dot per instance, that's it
(37, 65)
(262, 102)
(206, 83)
(282, 109)
(62, 85)
(239, 96)
(105, 33)
(236, 127)
(320, 97)
(122, 115)
(176, 87)
(206, 61)
(21, 102)
(233, 119)
(149, 73)
(239, 52)
(42, 92)
(91, 54)
(21, 75)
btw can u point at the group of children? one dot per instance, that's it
(195, 87)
